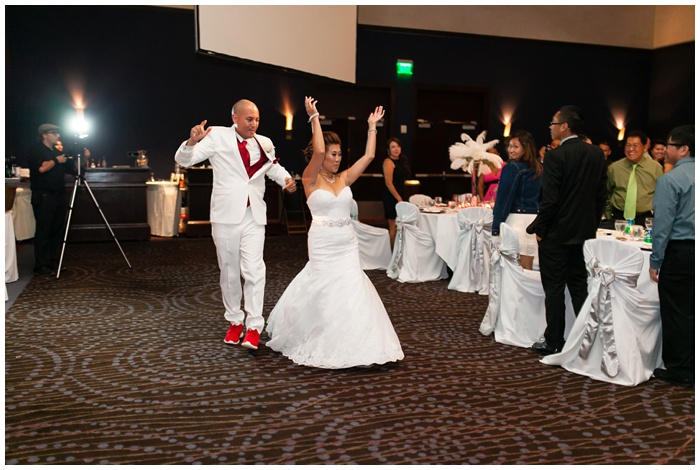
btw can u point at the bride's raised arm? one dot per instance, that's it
(310, 175)
(361, 165)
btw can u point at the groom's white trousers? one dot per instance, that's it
(239, 248)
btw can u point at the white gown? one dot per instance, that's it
(330, 316)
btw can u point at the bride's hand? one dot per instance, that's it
(376, 116)
(310, 105)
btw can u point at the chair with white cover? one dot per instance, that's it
(419, 200)
(471, 271)
(373, 242)
(414, 258)
(617, 335)
(516, 311)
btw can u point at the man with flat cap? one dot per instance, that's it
(47, 169)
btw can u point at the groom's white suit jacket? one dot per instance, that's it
(232, 188)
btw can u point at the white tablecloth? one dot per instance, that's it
(23, 214)
(11, 272)
(163, 200)
(444, 229)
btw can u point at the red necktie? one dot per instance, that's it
(244, 154)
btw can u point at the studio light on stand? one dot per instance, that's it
(80, 136)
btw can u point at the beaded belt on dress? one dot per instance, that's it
(326, 222)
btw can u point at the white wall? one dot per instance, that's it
(638, 26)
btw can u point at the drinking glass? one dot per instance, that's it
(431, 202)
(620, 226)
(438, 200)
(637, 232)
(452, 204)
(649, 222)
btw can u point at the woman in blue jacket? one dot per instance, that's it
(518, 197)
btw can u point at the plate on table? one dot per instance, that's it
(431, 210)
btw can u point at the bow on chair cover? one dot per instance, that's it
(600, 319)
(617, 335)
(471, 271)
(373, 242)
(414, 258)
(504, 253)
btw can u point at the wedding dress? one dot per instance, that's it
(330, 316)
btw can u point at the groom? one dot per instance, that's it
(239, 158)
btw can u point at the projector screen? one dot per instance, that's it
(317, 39)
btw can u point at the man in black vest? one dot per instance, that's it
(572, 202)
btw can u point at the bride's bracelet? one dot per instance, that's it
(312, 116)
(372, 130)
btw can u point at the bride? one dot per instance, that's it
(330, 316)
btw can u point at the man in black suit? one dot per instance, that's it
(572, 202)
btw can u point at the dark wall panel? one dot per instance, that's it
(145, 86)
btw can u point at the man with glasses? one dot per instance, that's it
(631, 183)
(572, 202)
(672, 262)
(47, 169)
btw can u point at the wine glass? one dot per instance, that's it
(648, 223)
(637, 232)
(431, 203)
(620, 226)
(438, 200)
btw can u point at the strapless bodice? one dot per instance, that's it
(325, 205)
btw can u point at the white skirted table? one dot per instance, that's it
(23, 214)
(163, 200)
(11, 271)
(443, 227)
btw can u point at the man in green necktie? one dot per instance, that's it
(631, 183)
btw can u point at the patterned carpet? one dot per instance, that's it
(115, 366)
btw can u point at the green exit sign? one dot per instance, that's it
(404, 67)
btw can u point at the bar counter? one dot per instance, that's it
(120, 193)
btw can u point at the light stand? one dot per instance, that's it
(79, 181)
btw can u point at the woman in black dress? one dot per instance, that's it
(396, 171)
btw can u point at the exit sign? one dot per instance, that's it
(404, 67)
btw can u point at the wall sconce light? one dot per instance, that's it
(288, 125)
(506, 130)
(621, 134)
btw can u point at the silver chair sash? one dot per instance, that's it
(499, 258)
(396, 262)
(600, 318)
(476, 228)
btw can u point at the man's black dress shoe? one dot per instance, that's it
(544, 349)
(44, 271)
(674, 378)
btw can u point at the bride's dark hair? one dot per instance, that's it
(329, 138)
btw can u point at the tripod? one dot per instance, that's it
(79, 181)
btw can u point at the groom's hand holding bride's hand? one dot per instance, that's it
(290, 185)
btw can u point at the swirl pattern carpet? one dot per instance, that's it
(108, 365)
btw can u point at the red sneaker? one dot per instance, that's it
(252, 337)
(233, 336)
